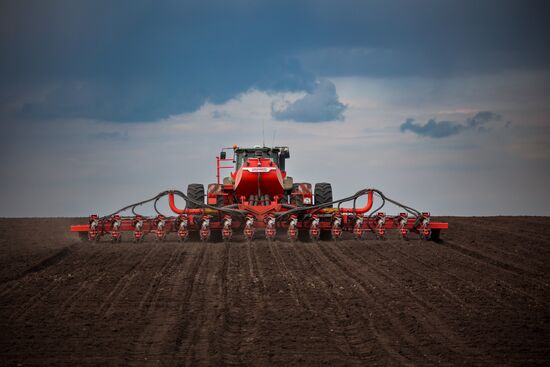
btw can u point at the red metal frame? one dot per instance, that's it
(218, 162)
(324, 221)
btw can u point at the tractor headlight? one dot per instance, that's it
(307, 200)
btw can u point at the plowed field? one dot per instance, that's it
(480, 297)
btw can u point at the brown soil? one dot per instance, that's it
(481, 297)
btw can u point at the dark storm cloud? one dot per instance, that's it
(482, 118)
(147, 60)
(320, 105)
(443, 129)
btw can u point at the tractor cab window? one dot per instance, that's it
(242, 156)
(269, 155)
(273, 158)
(239, 160)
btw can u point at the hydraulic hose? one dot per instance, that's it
(171, 194)
(230, 209)
(353, 198)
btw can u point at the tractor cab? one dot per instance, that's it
(276, 154)
(258, 170)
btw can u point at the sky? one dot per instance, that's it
(443, 105)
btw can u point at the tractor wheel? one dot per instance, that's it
(322, 195)
(195, 192)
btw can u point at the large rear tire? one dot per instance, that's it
(322, 195)
(195, 192)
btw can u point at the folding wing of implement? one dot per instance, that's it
(258, 199)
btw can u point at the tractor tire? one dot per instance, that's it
(322, 195)
(195, 192)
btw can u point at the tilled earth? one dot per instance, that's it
(480, 297)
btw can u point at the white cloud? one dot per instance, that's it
(320, 105)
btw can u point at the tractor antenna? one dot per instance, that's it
(274, 134)
(263, 133)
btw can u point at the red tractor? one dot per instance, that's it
(259, 196)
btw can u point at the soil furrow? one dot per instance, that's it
(161, 339)
(455, 278)
(489, 260)
(419, 314)
(387, 339)
(123, 281)
(360, 347)
(160, 307)
(151, 296)
(194, 347)
(284, 272)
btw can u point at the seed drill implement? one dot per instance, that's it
(259, 200)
